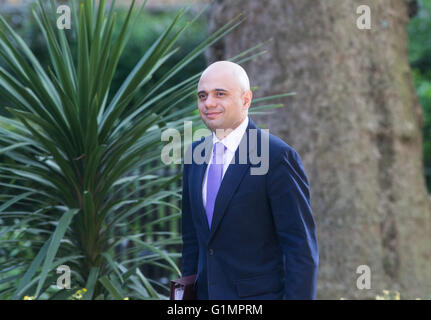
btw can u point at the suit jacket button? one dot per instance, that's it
(211, 252)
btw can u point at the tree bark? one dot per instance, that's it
(356, 122)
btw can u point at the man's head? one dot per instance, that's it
(224, 95)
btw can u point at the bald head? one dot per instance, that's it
(231, 70)
(224, 95)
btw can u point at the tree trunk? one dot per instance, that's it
(356, 122)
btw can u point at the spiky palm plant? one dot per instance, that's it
(74, 149)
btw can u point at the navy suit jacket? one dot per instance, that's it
(262, 242)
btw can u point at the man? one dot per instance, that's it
(245, 235)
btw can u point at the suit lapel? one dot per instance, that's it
(198, 176)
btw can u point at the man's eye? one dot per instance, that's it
(201, 96)
(220, 94)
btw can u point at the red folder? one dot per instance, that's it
(183, 288)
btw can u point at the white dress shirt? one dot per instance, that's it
(231, 142)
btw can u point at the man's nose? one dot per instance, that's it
(210, 102)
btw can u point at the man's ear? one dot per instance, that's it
(246, 99)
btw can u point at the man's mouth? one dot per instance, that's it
(212, 114)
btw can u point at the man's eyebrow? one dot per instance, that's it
(216, 89)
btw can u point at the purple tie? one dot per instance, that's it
(215, 175)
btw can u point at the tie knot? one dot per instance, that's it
(219, 146)
(218, 153)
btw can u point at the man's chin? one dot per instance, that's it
(213, 124)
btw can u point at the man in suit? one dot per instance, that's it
(245, 235)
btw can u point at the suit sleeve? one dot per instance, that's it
(289, 196)
(189, 258)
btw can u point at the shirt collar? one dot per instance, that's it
(232, 140)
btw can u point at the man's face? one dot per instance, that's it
(221, 101)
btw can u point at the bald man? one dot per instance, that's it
(247, 234)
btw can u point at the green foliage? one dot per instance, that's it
(72, 191)
(69, 182)
(420, 58)
(145, 31)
